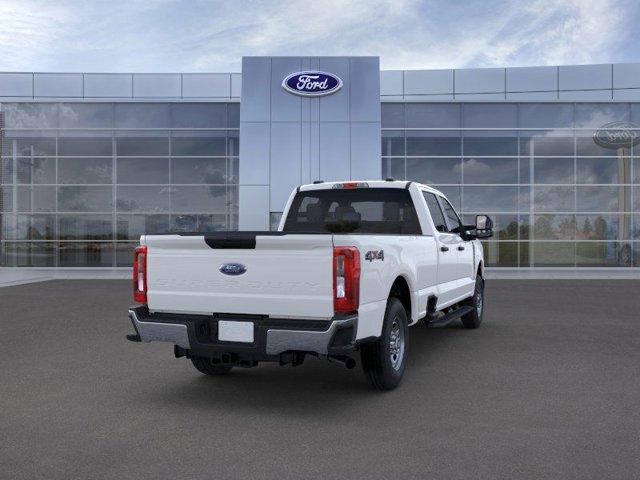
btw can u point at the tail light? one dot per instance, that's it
(140, 274)
(346, 279)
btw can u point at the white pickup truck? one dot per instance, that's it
(351, 267)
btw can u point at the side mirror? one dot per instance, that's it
(484, 226)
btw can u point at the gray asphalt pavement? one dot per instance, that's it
(548, 387)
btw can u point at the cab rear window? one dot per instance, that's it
(357, 210)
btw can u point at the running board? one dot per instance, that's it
(435, 321)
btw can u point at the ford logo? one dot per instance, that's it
(312, 84)
(232, 269)
(616, 135)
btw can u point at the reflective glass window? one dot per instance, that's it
(211, 144)
(553, 170)
(143, 198)
(85, 227)
(142, 115)
(142, 170)
(36, 170)
(86, 115)
(146, 146)
(199, 170)
(603, 198)
(199, 115)
(36, 199)
(432, 171)
(85, 199)
(432, 115)
(94, 146)
(392, 115)
(490, 170)
(490, 199)
(85, 170)
(553, 199)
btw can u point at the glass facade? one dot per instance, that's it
(558, 198)
(80, 182)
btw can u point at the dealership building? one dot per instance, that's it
(90, 161)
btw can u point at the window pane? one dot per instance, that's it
(603, 227)
(500, 254)
(85, 170)
(233, 143)
(488, 115)
(603, 170)
(199, 199)
(453, 194)
(553, 170)
(199, 115)
(213, 144)
(85, 199)
(90, 146)
(554, 227)
(490, 199)
(545, 115)
(432, 171)
(38, 254)
(603, 199)
(436, 212)
(546, 144)
(233, 112)
(598, 114)
(35, 227)
(36, 199)
(490, 170)
(143, 199)
(553, 254)
(32, 146)
(554, 199)
(85, 227)
(603, 254)
(142, 146)
(124, 253)
(198, 223)
(432, 115)
(131, 227)
(142, 115)
(142, 170)
(93, 115)
(36, 170)
(30, 115)
(392, 115)
(585, 145)
(199, 170)
(6, 199)
(274, 220)
(491, 144)
(6, 170)
(450, 215)
(433, 143)
(636, 170)
(392, 143)
(80, 254)
(393, 168)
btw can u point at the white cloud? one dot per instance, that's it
(165, 35)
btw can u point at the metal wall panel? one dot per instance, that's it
(365, 154)
(206, 85)
(335, 146)
(157, 85)
(585, 77)
(236, 85)
(585, 95)
(284, 106)
(335, 107)
(626, 75)
(254, 152)
(285, 164)
(16, 84)
(391, 82)
(256, 90)
(479, 80)
(57, 85)
(108, 85)
(532, 79)
(364, 85)
(428, 82)
(253, 218)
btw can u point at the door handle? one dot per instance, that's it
(444, 249)
(460, 248)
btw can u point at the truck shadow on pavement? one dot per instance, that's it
(317, 386)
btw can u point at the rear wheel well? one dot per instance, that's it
(400, 290)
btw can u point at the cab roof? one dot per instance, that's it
(366, 184)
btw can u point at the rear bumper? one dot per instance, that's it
(197, 335)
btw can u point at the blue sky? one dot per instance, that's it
(212, 36)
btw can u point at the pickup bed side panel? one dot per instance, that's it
(412, 257)
(286, 276)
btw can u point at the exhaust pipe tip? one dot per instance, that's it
(349, 363)
(343, 360)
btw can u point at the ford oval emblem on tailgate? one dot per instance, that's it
(232, 269)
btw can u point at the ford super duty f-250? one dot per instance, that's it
(351, 267)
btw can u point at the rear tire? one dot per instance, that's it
(473, 319)
(384, 361)
(204, 365)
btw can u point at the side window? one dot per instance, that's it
(435, 211)
(452, 217)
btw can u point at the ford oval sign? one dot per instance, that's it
(617, 135)
(312, 84)
(232, 269)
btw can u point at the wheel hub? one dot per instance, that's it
(396, 344)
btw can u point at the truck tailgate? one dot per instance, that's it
(285, 275)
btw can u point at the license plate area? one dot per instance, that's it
(235, 331)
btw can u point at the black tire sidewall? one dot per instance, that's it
(472, 319)
(389, 375)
